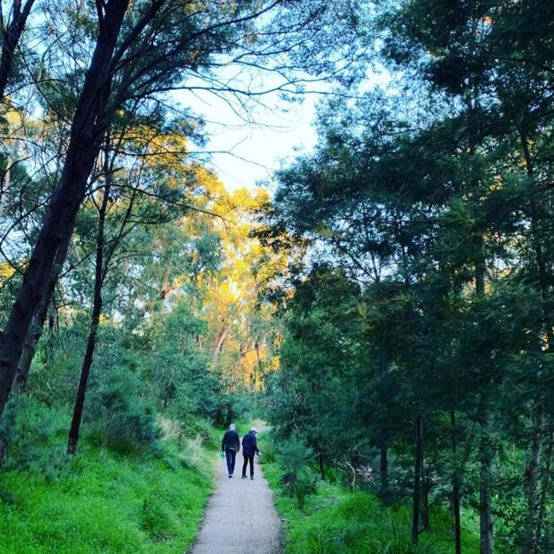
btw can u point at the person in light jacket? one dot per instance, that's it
(230, 444)
(249, 448)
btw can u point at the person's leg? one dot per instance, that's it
(244, 465)
(228, 456)
(233, 458)
(251, 467)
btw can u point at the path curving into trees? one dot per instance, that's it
(240, 516)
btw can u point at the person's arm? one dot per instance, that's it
(256, 445)
(223, 441)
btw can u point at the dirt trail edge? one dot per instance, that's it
(240, 516)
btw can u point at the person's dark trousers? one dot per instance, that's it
(248, 459)
(230, 455)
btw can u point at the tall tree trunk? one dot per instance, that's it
(545, 481)
(384, 399)
(456, 487)
(531, 481)
(384, 470)
(31, 342)
(221, 336)
(87, 131)
(416, 507)
(73, 437)
(485, 497)
(485, 505)
(426, 488)
(320, 460)
(10, 40)
(485, 448)
(536, 497)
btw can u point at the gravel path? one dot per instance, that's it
(240, 516)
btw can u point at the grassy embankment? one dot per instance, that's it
(335, 520)
(102, 500)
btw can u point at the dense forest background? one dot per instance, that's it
(385, 303)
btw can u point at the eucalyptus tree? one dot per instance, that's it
(132, 54)
(12, 23)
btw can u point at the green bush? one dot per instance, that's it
(269, 451)
(117, 413)
(34, 437)
(306, 482)
(298, 478)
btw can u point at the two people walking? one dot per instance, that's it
(230, 444)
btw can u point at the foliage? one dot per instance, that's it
(136, 503)
(336, 520)
(117, 412)
(298, 478)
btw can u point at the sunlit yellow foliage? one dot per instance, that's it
(6, 271)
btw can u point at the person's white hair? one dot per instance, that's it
(232, 426)
(253, 429)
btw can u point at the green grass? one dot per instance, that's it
(338, 521)
(108, 502)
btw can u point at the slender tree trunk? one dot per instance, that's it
(73, 437)
(320, 460)
(416, 507)
(456, 488)
(87, 130)
(531, 481)
(485, 448)
(222, 335)
(10, 40)
(485, 502)
(383, 394)
(536, 493)
(31, 342)
(426, 482)
(545, 482)
(384, 470)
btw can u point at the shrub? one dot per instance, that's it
(298, 480)
(305, 485)
(269, 452)
(33, 436)
(118, 414)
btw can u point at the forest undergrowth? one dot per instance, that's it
(104, 498)
(328, 516)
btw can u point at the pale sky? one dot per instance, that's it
(250, 141)
(247, 152)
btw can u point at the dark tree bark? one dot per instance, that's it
(37, 326)
(99, 274)
(10, 39)
(426, 482)
(531, 480)
(321, 460)
(31, 342)
(418, 464)
(456, 487)
(485, 447)
(87, 131)
(485, 505)
(383, 392)
(541, 443)
(384, 470)
(545, 481)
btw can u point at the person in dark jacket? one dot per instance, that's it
(230, 444)
(249, 448)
